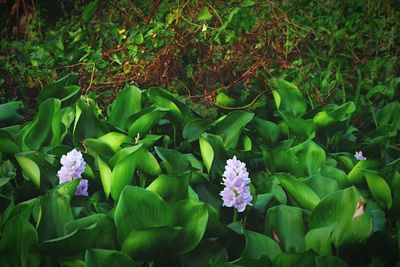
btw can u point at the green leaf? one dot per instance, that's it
(144, 121)
(311, 155)
(193, 217)
(37, 169)
(303, 194)
(8, 144)
(115, 140)
(259, 245)
(288, 97)
(269, 131)
(176, 109)
(330, 261)
(334, 114)
(174, 162)
(146, 244)
(139, 209)
(230, 127)
(317, 240)
(285, 224)
(123, 173)
(9, 112)
(107, 258)
(147, 163)
(70, 244)
(204, 14)
(87, 124)
(89, 10)
(171, 188)
(18, 242)
(194, 129)
(380, 190)
(105, 176)
(306, 259)
(213, 153)
(67, 94)
(302, 129)
(45, 129)
(98, 147)
(127, 103)
(106, 237)
(356, 175)
(321, 185)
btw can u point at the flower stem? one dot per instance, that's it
(235, 214)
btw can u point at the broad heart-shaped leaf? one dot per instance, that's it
(139, 209)
(56, 211)
(380, 190)
(300, 128)
(259, 245)
(333, 114)
(37, 169)
(356, 175)
(17, 243)
(8, 144)
(106, 237)
(194, 128)
(115, 140)
(174, 161)
(344, 210)
(127, 103)
(9, 112)
(285, 225)
(63, 89)
(97, 147)
(45, 129)
(107, 258)
(147, 163)
(73, 243)
(147, 244)
(171, 188)
(87, 124)
(213, 153)
(230, 127)
(193, 217)
(337, 174)
(318, 240)
(288, 97)
(142, 122)
(310, 155)
(178, 111)
(300, 192)
(123, 173)
(321, 185)
(269, 131)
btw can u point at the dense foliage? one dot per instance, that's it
(157, 97)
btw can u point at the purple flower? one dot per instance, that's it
(236, 179)
(73, 165)
(359, 156)
(82, 188)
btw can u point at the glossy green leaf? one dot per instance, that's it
(318, 240)
(9, 112)
(146, 244)
(98, 147)
(8, 144)
(87, 124)
(213, 153)
(174, 162)
(17, 244)
(285, 224)
(139, 209)
(356, 175)
(45, 129)
(105, 176)
(122, 174)
(306, 259)
(269, 131)
(194, 129)
(171, 188)
(321, 185)
(115, 140)
(107, 258)
(148, 163)
(231, 126)
(334, 114)
(73, 243)
(192, 216)
(302, 193)
(127, 103)
(311, 155)
(380, 190)
(106, 236)
(143, 121)
(288, 97)
(258, 245)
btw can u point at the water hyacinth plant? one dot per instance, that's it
(73, 165)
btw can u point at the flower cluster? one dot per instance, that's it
(359, 156)
(236, 179)
(73, 165)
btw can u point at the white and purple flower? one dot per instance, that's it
(73, 165)
(359, 155)
(236, 179)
